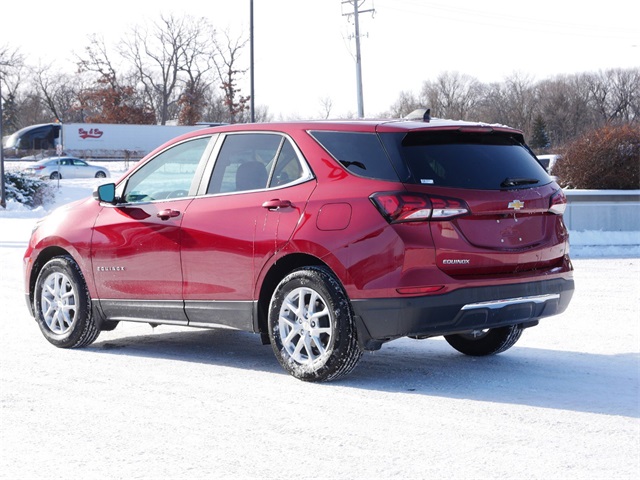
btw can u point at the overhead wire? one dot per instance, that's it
(487, 17)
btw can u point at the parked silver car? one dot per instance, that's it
(549, 161)
(65, 167)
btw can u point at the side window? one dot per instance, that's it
(287, 168)
(169, 175)
(244, 162)
(360, 153)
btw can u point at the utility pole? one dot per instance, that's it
(356, 20)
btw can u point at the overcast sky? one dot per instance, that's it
(303, 53)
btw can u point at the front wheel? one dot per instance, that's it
(479, 343)
(63, 305)
(311, 326)
(101, 175)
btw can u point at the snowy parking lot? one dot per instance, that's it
(173, 402)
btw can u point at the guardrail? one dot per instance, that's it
(603, 210)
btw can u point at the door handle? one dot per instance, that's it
(167, 214)
(276, 203)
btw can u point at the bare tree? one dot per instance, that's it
(625, 87)
(229, 51)
(520, 102)
(262, 114)
(11, 71)
(493, 107)
(98, 60)
(162, 53)
(614, 94)
(197, 61)
(452, 95)
(564, 106)
(59, 93)
(112, 98)
(327, 104)
(407, 102)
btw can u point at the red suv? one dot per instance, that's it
(326, 238)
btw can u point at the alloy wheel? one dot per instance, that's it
(305, 324)
(58, 303)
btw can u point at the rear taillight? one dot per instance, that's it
(448, 207)
(397, 207)
(38, 167)
(558, 203)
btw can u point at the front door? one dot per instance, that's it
(136, 243)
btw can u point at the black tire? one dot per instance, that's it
(318, 342)
(55, 175)
(480, 343)
(101, 175)
(62, 305)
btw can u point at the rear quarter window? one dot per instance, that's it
(484, 161)
(360, 153)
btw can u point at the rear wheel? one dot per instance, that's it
(480, 343)
(63, 305)
(55, 175)
(311, 326)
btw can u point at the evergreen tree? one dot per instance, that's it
(9, 114)
(540, 138)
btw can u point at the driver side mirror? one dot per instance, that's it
(106, 193)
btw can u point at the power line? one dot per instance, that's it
(457, 13)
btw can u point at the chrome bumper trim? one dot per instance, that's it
(495, 304)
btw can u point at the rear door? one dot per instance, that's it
(252, 203)
(505, 232)
(509, 225)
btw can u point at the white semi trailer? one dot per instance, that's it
(92, 141)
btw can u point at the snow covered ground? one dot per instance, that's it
(173, 402)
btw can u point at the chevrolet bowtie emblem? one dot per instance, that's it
(516, 205)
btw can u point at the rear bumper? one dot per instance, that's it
(380, 320)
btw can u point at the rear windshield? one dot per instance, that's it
(484, 161)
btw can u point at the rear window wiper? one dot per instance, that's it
(515, 182)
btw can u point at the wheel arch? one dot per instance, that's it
(44, 256)
(56, 251)
(47, 254)
(278, 270)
